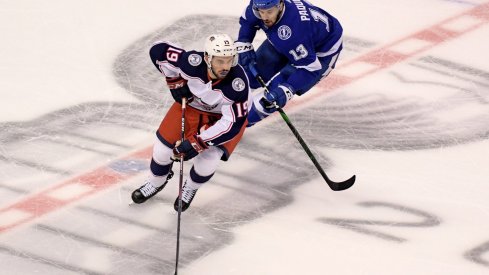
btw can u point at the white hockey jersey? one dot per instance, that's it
(229, 97)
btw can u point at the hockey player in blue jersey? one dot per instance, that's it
(302, 46)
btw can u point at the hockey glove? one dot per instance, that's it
(189, 148)
(278, 96)
(179, 89)
(246, 53)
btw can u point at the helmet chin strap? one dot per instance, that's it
(209, 67)
(213, 74)
(281, 10)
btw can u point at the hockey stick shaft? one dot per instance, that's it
(335, 186)
(180, 187)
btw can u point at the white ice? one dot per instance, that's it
(415, 134)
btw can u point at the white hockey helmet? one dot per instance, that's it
(220, 45)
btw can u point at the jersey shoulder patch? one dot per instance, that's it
(192, 64)
(194, 59)
(236, 84)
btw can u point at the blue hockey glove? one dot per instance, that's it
(246, 53)
(189, 148)
(279, 96)
(179, 89)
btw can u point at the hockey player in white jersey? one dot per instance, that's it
(302, 46)
(217, 89)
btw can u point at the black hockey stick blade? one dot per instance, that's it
(335, 186)
(342, 185)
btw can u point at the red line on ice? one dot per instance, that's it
(42, 203)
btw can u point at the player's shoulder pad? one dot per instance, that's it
(163, 51)
(192, 63)
(238, 84)
(164, 46)
(297, 14)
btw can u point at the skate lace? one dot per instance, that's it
(148, 189)
(188, 194)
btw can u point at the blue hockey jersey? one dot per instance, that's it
(303, 33)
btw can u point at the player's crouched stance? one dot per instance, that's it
(302, 46)
(217, 90)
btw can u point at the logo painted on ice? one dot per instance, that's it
(194, 59)
(284, 32)
(238, 84)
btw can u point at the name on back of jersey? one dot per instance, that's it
(302, 10)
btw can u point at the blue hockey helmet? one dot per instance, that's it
(265, 4)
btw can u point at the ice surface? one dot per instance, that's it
(80, 101)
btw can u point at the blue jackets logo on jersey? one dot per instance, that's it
(238, 85)
(194, 60)
(284, 32)
(204, 105)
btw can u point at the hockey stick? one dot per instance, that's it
(180, 187)
(335, 186)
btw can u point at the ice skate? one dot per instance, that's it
(188, 195)
(147, 190)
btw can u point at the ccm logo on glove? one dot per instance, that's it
(175, 82)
